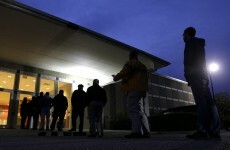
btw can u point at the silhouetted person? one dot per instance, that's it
(24, 112)
(96, 100)
(195, 71)
(30, 113)
(45, 111)
(60, 104)
(78, 102)
(134, 77)
(36, 110)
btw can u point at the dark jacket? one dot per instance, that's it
(78, 99)
(96, 93)
(36, 105)
(46, 101)
(60, 103)
(24, 108)
(194, 58)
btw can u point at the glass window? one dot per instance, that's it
(27, 83)
(7, 80)
(66, 87)
(4, 105)
(47, 86)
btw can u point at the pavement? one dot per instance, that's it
(18, 139)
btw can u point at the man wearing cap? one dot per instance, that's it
(134, 77)
(78, 107)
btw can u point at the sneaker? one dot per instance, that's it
(134, 136)
(198, 135)
(146, 135)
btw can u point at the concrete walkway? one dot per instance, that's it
(16, 139)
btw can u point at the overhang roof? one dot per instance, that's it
(34, 38)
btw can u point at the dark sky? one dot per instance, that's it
(155, 26)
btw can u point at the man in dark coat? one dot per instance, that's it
(60, 104)
(30, 113)
(96, 100)
(24, 112)
(195, 71)
(36, 110)
(78, 102)
(45, 111)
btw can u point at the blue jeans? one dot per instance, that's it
(135, 104)
(208, 119)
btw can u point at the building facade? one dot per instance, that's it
(164, 92)
(42, 53)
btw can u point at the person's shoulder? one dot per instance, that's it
(200, 41)
(89, 88)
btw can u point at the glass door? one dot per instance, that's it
(4, 107)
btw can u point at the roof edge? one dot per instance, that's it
(51, 18)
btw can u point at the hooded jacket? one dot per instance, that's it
(194, 58)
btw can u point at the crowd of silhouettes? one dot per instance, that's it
(40, 107)
(134, 81)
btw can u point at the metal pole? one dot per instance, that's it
(213, 96)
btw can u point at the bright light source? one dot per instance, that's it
(213, 67)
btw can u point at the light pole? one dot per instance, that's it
(213, 67)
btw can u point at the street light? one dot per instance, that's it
(213, 67)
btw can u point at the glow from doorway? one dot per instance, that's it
(89, 73)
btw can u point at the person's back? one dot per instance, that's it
(96, 93)
(96, 97)
(46, 102)
(60, 102)
(24, 107)
(78, 99)
(24, 112)
(134, 77)
(138, 78)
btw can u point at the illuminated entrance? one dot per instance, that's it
(4, 106)
(27, 85)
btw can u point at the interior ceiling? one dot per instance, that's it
(29, 40)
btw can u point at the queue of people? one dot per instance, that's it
(134, 76)
(41, 106)
(95, 99)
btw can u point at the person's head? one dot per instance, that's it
(33, 98)
(41, 93)
(24, 99)
(133, 55)
(80, 86)
(189, 33)
(95, 82)
(61, 92)
(47, 93)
